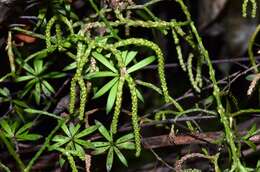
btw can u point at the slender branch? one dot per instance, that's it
(161, 160)
(12, 151)
(4, 167)
(245, 111)
(149, 3)
(219, 61)
(182, 139)
(44, 146)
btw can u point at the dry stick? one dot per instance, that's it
(227, 60)
(182, 139)
(165, 140)
(240, 74)
(161, 160)
(136, 7)
(250, 151)
(10, 53)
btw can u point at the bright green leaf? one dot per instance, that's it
(28, 87)
(141, 64)
(27, 67)
(39, 54)
(100, 150)
(250, 144)
(110, 159)
(66, 130)
(104, 131)
(86, 131)
(120, 156)
(54, 75)
(123, 54)
(47, 85)
(37, 92)
(24, 78)
(126, 145)
(24, 128)
(38, 66)
(130, 56)
(6, 127)
(46, 91)
(85, 143)
(80, 151)
(104, 61)
(14, 126)
(28, 137)
(105, 88)
(100, 74)
(111, 98)
(100, 144)
(250, 77)
(73, 129)
(34, 111)
(125, 138)
(60, 138)
(4, 91)
(149, 85)
(70, 66)
(139, 95)
(20, 103)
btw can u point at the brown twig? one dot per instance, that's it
(165, 140)
(219, 61)
(161, 160)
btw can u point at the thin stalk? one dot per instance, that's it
(4, 167)
(244, 111)
(12, 151)
(104, 19)
(44, 146)
(250, 49)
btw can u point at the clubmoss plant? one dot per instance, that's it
(100, 61)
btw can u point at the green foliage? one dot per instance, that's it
(73, 142)
(14, 133)
(106, 64)
(113, 147)
(36, 79)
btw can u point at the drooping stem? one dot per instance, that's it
(135, 123)
(161, 72)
